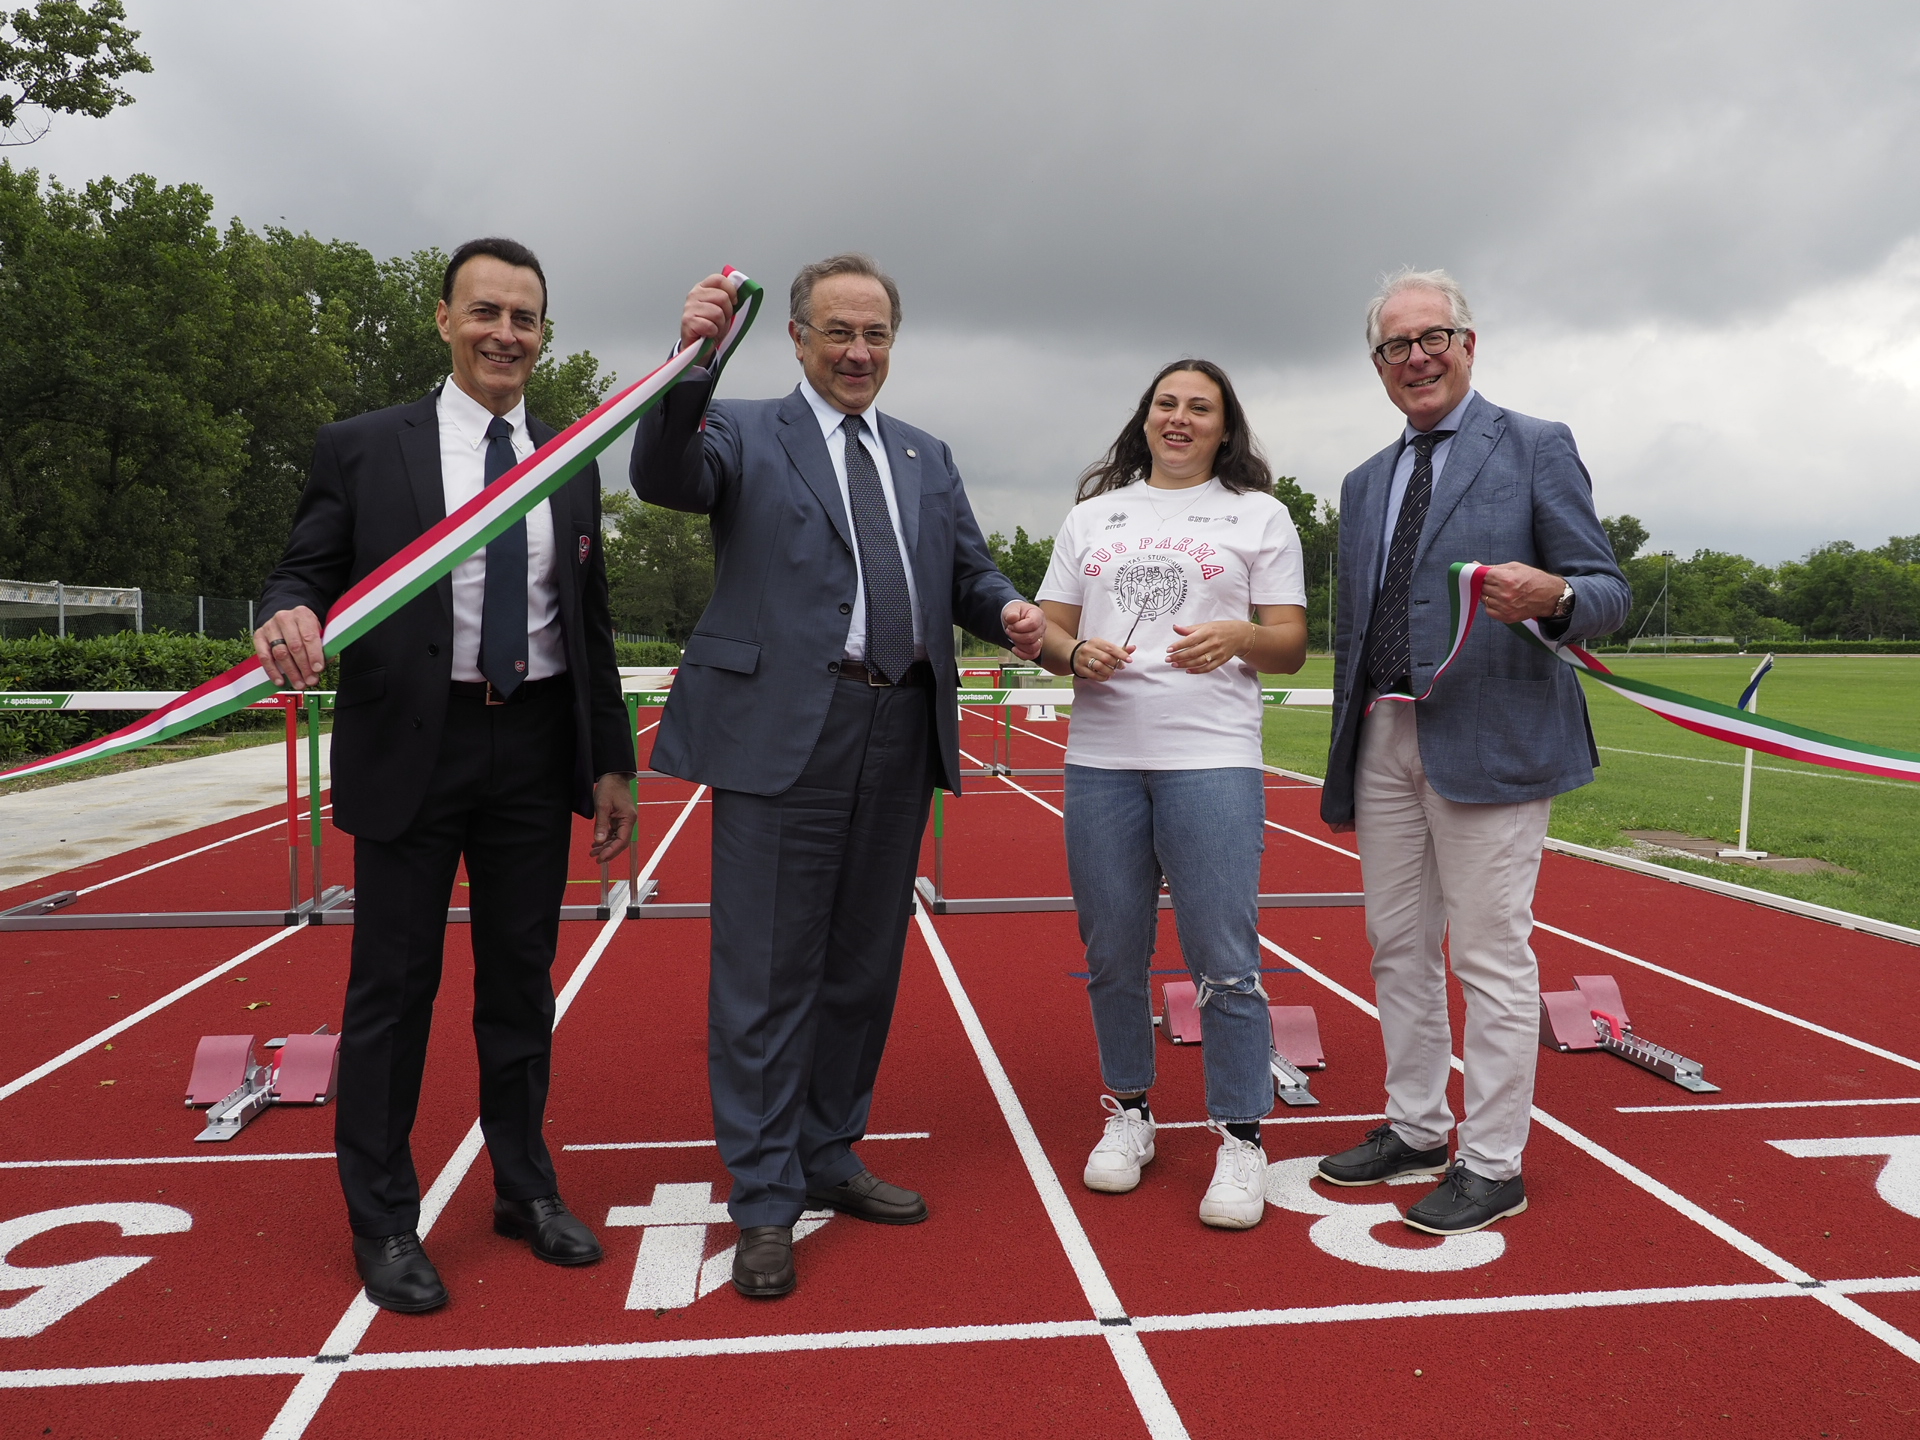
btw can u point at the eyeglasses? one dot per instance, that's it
(876, 337)
(1433, 342)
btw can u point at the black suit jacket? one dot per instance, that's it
(375, 488)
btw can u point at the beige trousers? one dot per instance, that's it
(1435, 868)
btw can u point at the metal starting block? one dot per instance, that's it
(1592, 1016)
(237, 1088)
(1296, 1038)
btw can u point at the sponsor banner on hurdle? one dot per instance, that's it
(436, 553)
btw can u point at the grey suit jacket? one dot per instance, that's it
(1508, 721)
(751, 697)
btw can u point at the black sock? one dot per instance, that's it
(1137, 1104)
(1248, 1131)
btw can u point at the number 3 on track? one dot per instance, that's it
(1345, 1231)
(59, 1290)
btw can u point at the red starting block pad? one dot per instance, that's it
(236, 1088)
(1296, 1028)
(1593, 1016)
(1179, 1016)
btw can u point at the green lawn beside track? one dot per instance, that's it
(1656, 776)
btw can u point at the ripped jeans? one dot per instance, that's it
(1204, 830)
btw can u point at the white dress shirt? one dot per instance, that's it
(463, 472)
(830, 421)
(1403, 473)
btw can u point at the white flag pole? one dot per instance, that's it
(1752, 707)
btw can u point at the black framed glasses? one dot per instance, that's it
(1432, 342)
(875, 337)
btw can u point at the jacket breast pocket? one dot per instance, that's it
(1492, 495)
(741, 656)
(361, 688)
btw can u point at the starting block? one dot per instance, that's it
(236, 1088)
(1592, 1016)
(1296, 1038)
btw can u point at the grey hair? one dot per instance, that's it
(800, 298)
(1408, 278)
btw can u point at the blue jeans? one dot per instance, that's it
(1204, 830)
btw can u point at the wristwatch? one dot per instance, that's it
(1564, 607)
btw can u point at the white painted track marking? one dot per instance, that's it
(1764, 1105)
(1129, 1353)
(318, 1376)
(160, 1160)
(187, 854)
(1011, 785)
(67, 1056)
(710, 1144)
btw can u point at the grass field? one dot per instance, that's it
(1656, 776)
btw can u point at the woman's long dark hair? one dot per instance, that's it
(1239, 466)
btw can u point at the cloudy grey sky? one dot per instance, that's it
(1691, 231)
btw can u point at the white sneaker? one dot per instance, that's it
(1237, 1198)
(1114, 1165)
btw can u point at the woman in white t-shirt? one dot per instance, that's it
(1176, 579)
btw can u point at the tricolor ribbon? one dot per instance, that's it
(1464, 584)
(1690, 712)
(420, 565)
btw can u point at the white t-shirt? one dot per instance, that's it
(1144, 560)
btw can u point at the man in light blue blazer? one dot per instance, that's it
(1448, 794)
(817, 697)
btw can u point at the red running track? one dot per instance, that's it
(1756, 1269)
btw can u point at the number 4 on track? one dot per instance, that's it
(1899, 1182)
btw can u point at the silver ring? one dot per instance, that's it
(272, 643)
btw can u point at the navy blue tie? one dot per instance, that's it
(1389, 656)
(889, 607)
(503, 613)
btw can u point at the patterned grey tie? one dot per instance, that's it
(889, 608)
(1389, 652)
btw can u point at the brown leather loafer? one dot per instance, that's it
(867, 1197)
(763, 1261)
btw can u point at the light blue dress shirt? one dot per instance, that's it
(1403, 472)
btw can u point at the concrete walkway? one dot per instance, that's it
(43, 832)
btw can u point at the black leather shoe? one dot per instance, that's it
(1466, 1202)
(1383, 1156)
(559, 1236)
(763, 1261)
(867, 1197)
(397, 1273)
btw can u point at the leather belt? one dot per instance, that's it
(483, 691)
(920, 674)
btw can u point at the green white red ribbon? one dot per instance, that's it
(1464, 584)
(1690, 712)
(436, 553)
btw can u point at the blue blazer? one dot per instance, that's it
(1508, 721)
(751, 697)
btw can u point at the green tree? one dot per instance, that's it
(1319, 527)
(1022, 560)
(659, 567)
(1625, 534)
(62, 57)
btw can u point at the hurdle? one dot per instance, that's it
(932, 890)
(326, 904)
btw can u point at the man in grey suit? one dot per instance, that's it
(1449, 794)
(817, 698)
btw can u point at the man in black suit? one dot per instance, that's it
(467, 725)
(816, 697)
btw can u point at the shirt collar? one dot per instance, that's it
(830, 418)
(1452, 422)
(470, 418)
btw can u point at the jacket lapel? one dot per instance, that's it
(1479, 432)
(905, 466)
(808, 451)
(420, 450)
(1370, 516)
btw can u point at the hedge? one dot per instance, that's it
(1778, 647)
(646, 652)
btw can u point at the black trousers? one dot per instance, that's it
(812, 893)
(498, 796)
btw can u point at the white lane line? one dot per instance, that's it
(710, 1144)
(1043, 739)
(1129, 1353)
(317, 1377)
(1847, 1309)
(1821, 774)
(161, 1160)
(1313, 839)
(1004, 780)
(13, 1087)
(1858, 1044)
(189, 854)
(1765, 1105)
(941, 1335)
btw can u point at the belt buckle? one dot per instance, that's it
(490, 696)
(876, 680)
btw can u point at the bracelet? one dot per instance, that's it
(1072, 655)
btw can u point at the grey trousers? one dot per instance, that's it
(1435, 868)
